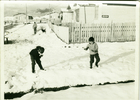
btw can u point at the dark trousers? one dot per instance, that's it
(33, 62)
(96, 56)
(35, 29)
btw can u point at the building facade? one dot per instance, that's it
(118, 13)
(21, 18)
(67, 16)
(105, 13)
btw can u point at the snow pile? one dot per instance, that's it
(23, 81)
(66, 65)
(108, 92)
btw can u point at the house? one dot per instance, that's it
(79, 13)
(119, 13)
(21, 18)
(55, 18)
(102, 13)
(106, 12)
(86, 13)
(8, 20)
(66, 15)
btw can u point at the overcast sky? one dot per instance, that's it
(14, 7)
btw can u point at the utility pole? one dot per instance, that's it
(26, 13)
(85, 13)
(49, 12)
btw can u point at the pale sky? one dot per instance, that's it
(14, 7)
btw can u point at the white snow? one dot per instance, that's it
(107, 92)
(67, 67)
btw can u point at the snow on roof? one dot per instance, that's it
(86, 5)
(119, 4)
(66, 10)
(37, 18)
(19, 14)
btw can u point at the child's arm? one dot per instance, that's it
(39, 64)
(86, 48)
(40, 54)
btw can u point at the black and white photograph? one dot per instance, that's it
(74, 50)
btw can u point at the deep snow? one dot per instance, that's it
(67, 66)
(107, 92)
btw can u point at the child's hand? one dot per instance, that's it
(40, 54)
(83, 48)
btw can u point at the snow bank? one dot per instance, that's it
(23, 81)
(108, 92)
(66, 65)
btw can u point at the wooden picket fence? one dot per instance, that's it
(112, 32)
(108, 32)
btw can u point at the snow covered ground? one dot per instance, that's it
(67, 65)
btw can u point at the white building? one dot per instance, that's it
(67, 16)
(21, 18)
(103, 13)
(8, 19)
(116, 13)
(55, 17)
(85, 13)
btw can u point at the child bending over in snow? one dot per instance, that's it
(93, 48)
(35, 55)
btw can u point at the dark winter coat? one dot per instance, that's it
(34, 53)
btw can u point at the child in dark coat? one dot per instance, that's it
(93, 48)
(35, 55)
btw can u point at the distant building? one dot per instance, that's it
(102, 13)
(37, 19)
(86, 13)
(21, 18)
(55, 17)
(106, 13)
(8, 20)
(66, 15)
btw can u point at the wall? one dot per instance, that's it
(117, 14)
(86, 15)
(61, 31)
(67, 17)
(54, 17)
(20, 18)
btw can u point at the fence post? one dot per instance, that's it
(112, 32)
(100, 32)
(122, 32)
(80, 33)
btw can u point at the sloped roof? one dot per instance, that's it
(118, 4)
(66, 10)
(86, 5)
(19, 14)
